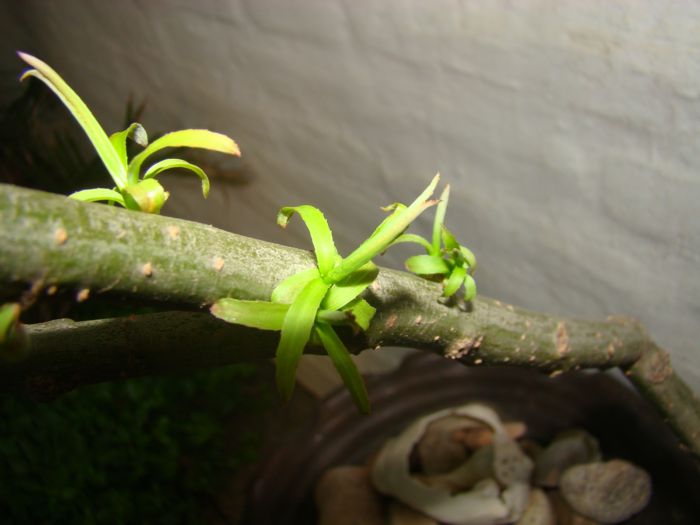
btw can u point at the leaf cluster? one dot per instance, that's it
(133, 190)
(308, 306)
(445, 260)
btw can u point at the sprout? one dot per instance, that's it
(132, 191)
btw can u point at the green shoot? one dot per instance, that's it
(13, 340)
(446, 260)
(307, 306)
(135, 193)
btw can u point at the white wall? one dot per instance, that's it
(568, 130)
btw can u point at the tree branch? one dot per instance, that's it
(52, 241)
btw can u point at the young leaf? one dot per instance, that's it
(454, 281)
(362, 313)
(415, 239)
(98, 194)
(321, 236)
(350, 287)
(136, 132)
(296, 330)
(440, 219)
(288, 290)
(147, 195)
(344, 365)
(426, 265)
(169, 164)
(262, 315)
(192, 138)
(82, 114)
(469, 288)
(469, 257)
(383, 237)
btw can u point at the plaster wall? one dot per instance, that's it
(568, 130)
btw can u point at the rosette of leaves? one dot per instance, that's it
(446, 260)
(308, 306)
(133, 190)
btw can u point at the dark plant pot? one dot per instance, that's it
(626, 425)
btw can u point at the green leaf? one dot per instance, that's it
(440, 219)
(335, 317)
(262, 315)
(362, 313)
(136, 132)
(426, 265)
(82, 114)
(98, 194)
(191, 138)
(350, 287)
(449, 240)
(344, 365)
(147, 196)
(454, 281)
(383, 237)
(469, 257)
(469, 288)
(296, 330)
(169, 164)
(14, 342)
(288, 290)
(415, 239)
(321, 236)
(9, 314)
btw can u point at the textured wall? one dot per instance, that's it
(568, 130)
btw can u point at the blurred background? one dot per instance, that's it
(568, 130)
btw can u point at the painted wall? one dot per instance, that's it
(569, 130)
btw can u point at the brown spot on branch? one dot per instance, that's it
(60, 236)
(562, 339)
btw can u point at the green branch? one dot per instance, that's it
(48, 240)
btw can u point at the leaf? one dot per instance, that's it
(321, 236)
(9, 314)
(345, 366)
(440, 211)
(169, 164)
(191, 138)
(362, 313)
(449, 240)
(426, 265)
(147, 196)
(469, 257)
(415, 239)
(454, 281)
(136, 132)
(262, 315)
(82, 114)
(296, 330)
(288, 290)
(383, 237)
(350, 287)
(469, 288)
(98, 194)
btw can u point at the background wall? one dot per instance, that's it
(567, 129)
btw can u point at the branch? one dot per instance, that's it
(56, 242)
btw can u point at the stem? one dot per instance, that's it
(56, 241)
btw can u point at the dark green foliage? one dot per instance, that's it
(150, 450)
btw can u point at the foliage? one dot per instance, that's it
(446, 260)
(150, 450)
(13, 339)
(306, 306)
(132, 190)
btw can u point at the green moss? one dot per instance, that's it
(142, 451)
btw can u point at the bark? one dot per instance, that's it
(50, 242)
